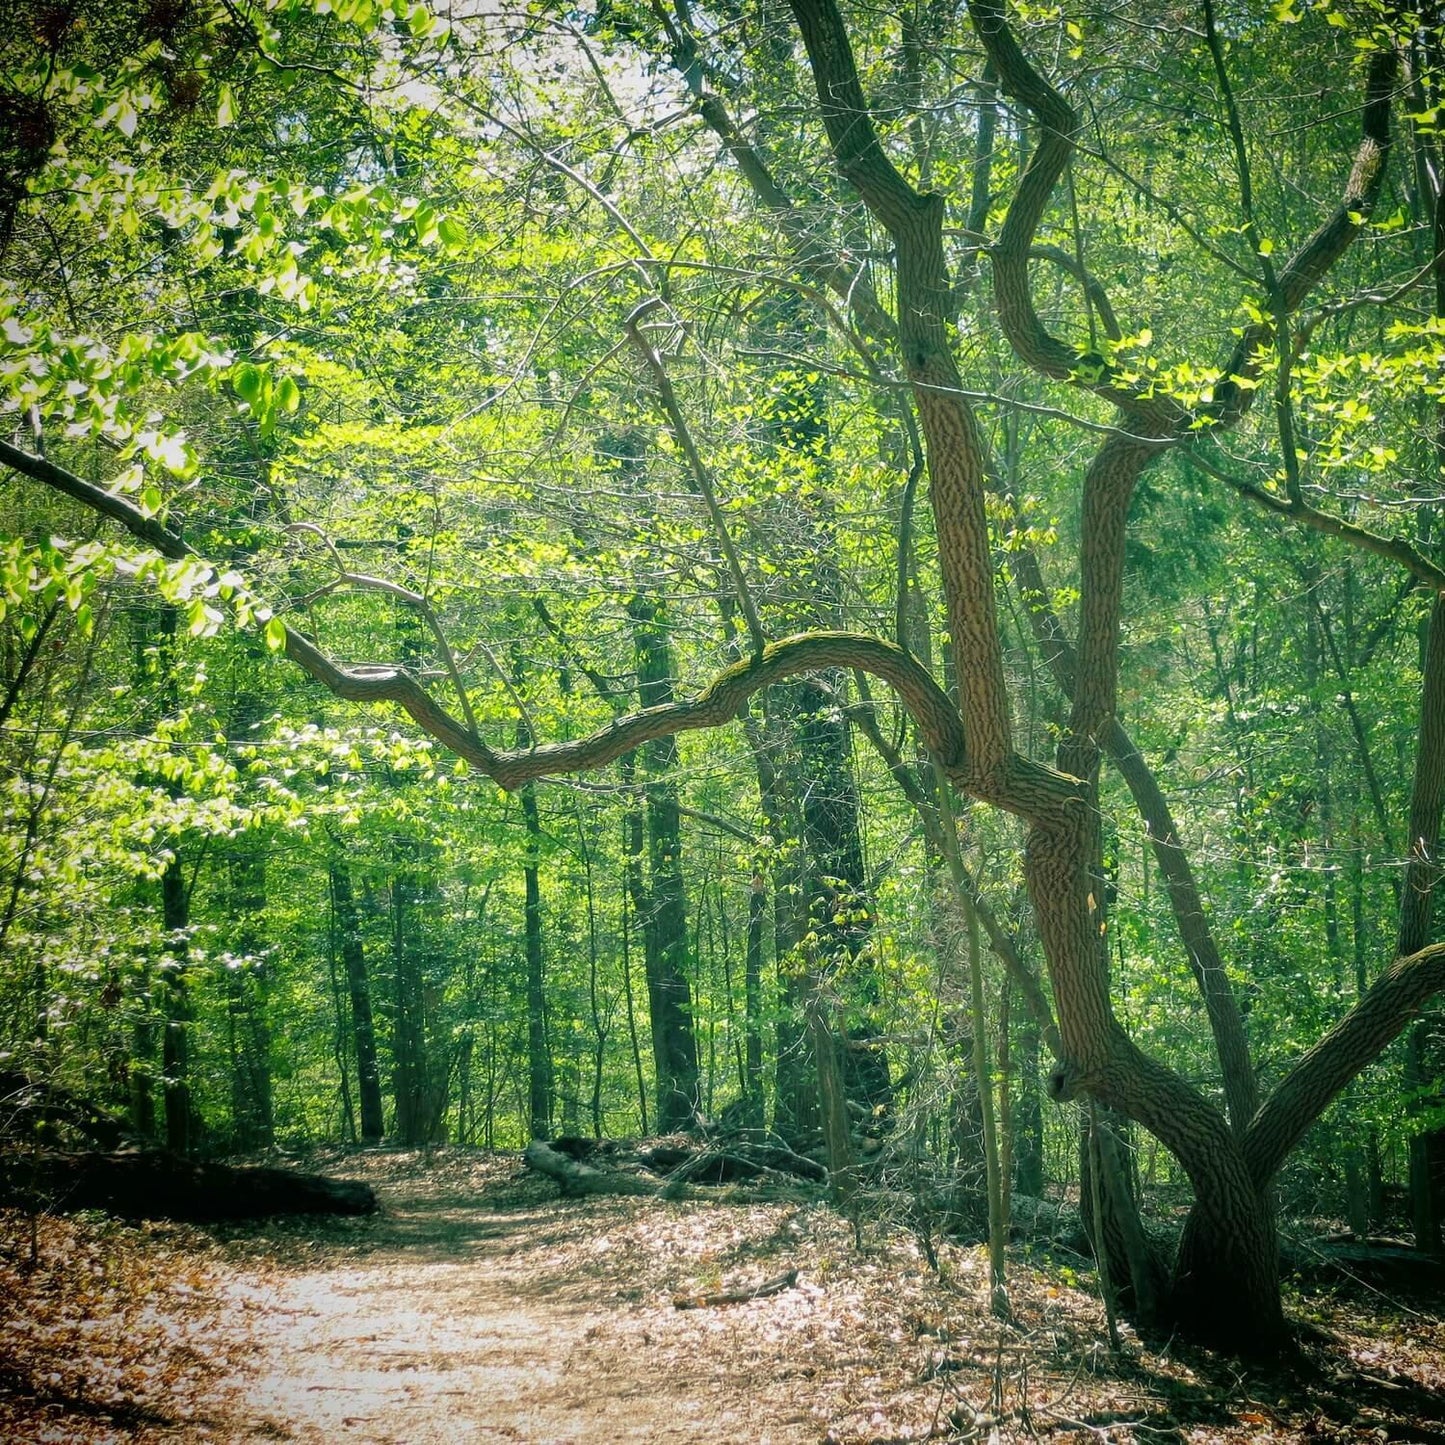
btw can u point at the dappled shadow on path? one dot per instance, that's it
(477, 1305)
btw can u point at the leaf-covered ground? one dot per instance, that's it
(478, 1307)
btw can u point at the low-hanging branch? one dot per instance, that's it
(718, 703)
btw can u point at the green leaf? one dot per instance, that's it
(453, 234)
(275, 634)
(248, 382)
(288, 394)
(226, 107)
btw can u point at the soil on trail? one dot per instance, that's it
(478, 1307)
(483, 1310)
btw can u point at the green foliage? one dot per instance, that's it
(339, 289)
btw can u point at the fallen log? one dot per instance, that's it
(579, 1181)
(736, 1296)
(727, 1159)
(155, 1184)
(1382, 1263)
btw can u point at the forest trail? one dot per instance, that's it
(491, 1315)
(479, 1307)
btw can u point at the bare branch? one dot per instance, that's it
(1393, 549)
(363, 582)
(702, 478)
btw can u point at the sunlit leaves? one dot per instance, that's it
(267, 395)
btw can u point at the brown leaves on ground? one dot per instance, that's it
(479, 1306)
(107, 1332)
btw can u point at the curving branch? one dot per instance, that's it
(1031, 340)
(937, 717)
(149, 530)
(1026, 332)
(363, 582)
(1313, 260)
(1385, 1011)
(1294, 281)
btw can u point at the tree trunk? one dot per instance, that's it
(832, 1102)
(634, 908)
(247, 969)
(674, 1044)
(753, 1001)
(540, 1085)
(410, 1055)
(176, 1009)
(1426, 1065)
(358, 984)
(1028, 1118)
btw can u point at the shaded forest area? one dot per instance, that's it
(852, 595)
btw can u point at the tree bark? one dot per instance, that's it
(358, 984)
(665, 921)
(247, 972)
(540, 1087)
(410, 1056)
(753, 1001)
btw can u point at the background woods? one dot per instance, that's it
(931, 517)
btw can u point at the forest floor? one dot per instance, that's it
(477, 1307)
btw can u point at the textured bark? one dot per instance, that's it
(417, 1094)
(1226, 1023)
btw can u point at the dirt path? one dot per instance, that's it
(495, 1313)
(477, 1307)
(480, 1308)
